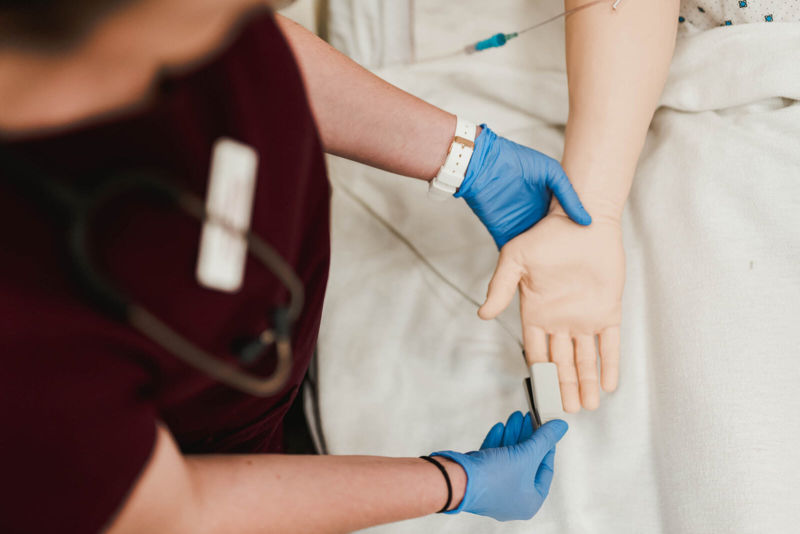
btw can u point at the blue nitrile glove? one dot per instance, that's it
(510, 476)
(509, 187)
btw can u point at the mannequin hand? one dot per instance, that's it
(509, 187)
(570, 280)
(509, 477)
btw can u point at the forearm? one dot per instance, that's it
(277, 493)
(318, 493)
(364, 118)
(617, 63)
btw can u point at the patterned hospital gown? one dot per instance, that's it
(698, 15)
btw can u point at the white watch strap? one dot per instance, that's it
(452, 173)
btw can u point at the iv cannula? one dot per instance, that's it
(500, 39)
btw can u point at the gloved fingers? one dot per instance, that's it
(609, 358)
(494, 438)
(562, 351)
(502, 287)
(545, 439)
(535, 341)
(544, 475)
(513, 429)
(559, 184)
(586, 359)
(527, 428)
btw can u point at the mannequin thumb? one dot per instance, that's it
(501, 288)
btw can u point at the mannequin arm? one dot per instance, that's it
(617, 63)
(571, 277)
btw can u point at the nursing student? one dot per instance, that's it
(104, 429)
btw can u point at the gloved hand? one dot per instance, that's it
(509, 187)
(509, 477)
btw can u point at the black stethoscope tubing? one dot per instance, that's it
(80, 209)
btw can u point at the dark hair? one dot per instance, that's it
(50, 24)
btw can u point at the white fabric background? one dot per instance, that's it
(375, 33)
(703, 434)
(304, 12)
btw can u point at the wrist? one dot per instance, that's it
(599, 208)
(458, 480)
(484, 139)
(472, 158)
(601, 175)
(602, 191)
(455, 162)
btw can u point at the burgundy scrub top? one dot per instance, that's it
(80, 394)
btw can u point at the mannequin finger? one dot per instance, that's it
(563, 354)
(502, 288)
(535, 341)
(586, 360)
(609, 358)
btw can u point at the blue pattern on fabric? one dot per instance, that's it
(697, 15)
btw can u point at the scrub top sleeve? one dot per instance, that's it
(78, 429)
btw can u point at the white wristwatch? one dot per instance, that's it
(452, 173)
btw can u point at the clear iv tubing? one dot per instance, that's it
(500, 39)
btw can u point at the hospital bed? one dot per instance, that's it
(702, 434)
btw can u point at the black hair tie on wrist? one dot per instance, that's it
(446, 479)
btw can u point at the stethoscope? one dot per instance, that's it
(79, 208)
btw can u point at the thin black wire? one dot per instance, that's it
(312, 381)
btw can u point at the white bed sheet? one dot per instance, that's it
(702, 434)
(375, 33)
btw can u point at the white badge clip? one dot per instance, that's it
(229, 207)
